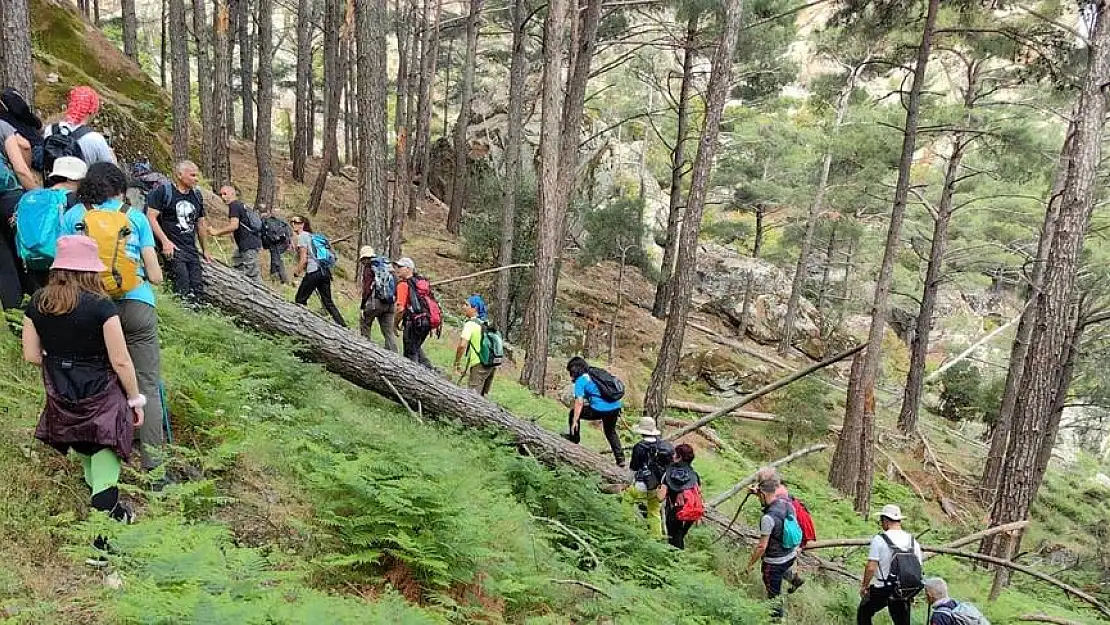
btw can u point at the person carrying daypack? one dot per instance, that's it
(597, 397)
(480, 349)
(948, 611)
(38, 218)
(73, 136)
(20, 142)
(650, 458)
(681, 495)
(277, 238)
(245, 226)
(379, 292)
(417, 312)
(892, 577)
(180, 224)
(143, 181)
(315, 260)
(780, 537)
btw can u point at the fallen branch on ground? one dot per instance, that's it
(905, 477)
(977, 536)
(769, 388)
(690, 406)
(706, 433)
(721, 339)
(481, 273)
(749, 480)
(578, 582)
(573, 534)
(1044, 618)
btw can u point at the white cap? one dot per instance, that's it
(70, 168)
(892, 512)
(405, 262)
(365, 251)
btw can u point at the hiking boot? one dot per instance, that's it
(795, 584)
(122, 513)
(100, 560)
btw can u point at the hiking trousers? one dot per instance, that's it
(412, 340)
(246, 263)
(140, 330)
(634, 498)
(481, 379)
(188, 277)
(385, 324)
(319, 282)
(676, 529)
(876, 601)
(608, 420)
(277, 264)
(12, 278)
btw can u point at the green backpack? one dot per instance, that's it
(492, 348)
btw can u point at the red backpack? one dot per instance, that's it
(805, 521)
(423, 309)
(689, 505)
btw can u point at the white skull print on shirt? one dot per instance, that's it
(179, 219)
(186, 219)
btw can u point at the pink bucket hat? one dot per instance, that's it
(77, 253)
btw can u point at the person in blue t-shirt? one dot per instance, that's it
(590, 406)
(104, 188)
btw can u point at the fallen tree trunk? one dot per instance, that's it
(721, 339)
(747, 481)
(770, 388)
(955, 544)
(1044, 618)
(690, 406)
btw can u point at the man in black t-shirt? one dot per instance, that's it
(246, 227)
(176, 214)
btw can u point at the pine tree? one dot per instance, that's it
(16, 62)
(370, 29)
(264, 130)
(246, 68)
(223, 45)
(462, 146)
(517, 74)
(302, 116)
(202, 39)
(179, 46)
(130, 26)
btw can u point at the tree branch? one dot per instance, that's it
(749, 480)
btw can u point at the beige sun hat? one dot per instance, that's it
(647, 427)
(365, 251)
(892, 512)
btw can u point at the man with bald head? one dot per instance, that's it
(246, 227)
(176, 214)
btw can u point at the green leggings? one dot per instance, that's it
(101, 470)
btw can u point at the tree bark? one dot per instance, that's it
(16, 60)
(720, 81)
(801, 271)
(881, 302)
(517, 75)
(264, 130)
(1036, 417)
(402, 184)
(130, 29)
(179, 50)
(203, 41)
(370, 18)
(303, 90)
(223, 44)
(246, 69)
(162, 45)
(845, 466)
(748, 481)
(923, 326)
(429, 50)
(664, 289)
(462, 146)
(333, 92)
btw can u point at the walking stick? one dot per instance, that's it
(728, 528)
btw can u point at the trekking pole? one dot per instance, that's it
(728, 528)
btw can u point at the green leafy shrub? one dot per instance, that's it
(802, 410)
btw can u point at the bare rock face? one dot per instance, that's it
(718, 369)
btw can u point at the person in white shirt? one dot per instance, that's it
(876, 593)
(82, 106)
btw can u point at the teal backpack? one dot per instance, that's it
(492, 352)
(38, 224)
(322, 251)
(791, 531)
(8, 180)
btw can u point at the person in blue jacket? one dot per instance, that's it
(590, 406)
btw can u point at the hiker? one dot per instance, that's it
(21, 137)
(946, 610)
(589, 405)
(38, 218)
(892, 576)
(144, 181)
(681, 494)
(311, 248)
(469, 348)
(176, 214)
(72, 330)
(779, 539)
(277, 238)
(801, 513)
(650, 458)
(245, 226)
(73, 137)
(417, 313)
(379, 291)
(104, 189)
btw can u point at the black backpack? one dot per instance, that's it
(609, 385)
(250, 220)
(62, 142)
(275, 232)
(905, 578)
(659, 458)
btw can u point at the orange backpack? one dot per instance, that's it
(111, 230)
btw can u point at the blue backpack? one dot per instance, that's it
(322, 251)
(38, 224)
(8, 180)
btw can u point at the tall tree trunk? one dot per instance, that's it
(720, 81)
(844, 469)
(757, 249)
(881, 303)
(663, 290)
(203, 41)
(830, 249)
(1035, 416)
(429, 50)
(162, 45)
(303, 90)
(370, 16)
(801, 271)
(223, 45)
(96, 13)
(558, 178)
(923, 326)
(130, 29)
(264, 130)
(16, 63)
(246, 69)
(462, 146)
(333, 87)
(182, 88)
(313, 101)
(517, 75)
(402, 180)
(349, 121)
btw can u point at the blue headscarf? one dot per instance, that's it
(478, 304)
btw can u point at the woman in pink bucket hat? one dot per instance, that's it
(72, 330)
